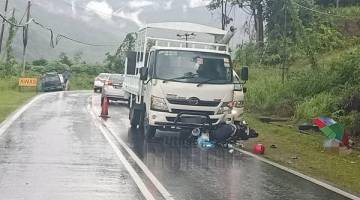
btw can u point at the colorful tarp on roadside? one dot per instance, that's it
(330, 127)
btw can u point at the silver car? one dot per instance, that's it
(99, 81)
(113, 87)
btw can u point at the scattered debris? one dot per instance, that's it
(294, 157)
(272, 119)
(204, 142)
(273, 146)
(226, 136)
(307, 127)
(331, 143)
(344, 150)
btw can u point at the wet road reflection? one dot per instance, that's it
(189, 172)
(53, 151)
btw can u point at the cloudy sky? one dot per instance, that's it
(125, 13)
(108, 21)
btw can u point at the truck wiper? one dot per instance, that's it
(181, 77)
(205, 81)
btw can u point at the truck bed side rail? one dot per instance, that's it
(132, 84)
(190, 44)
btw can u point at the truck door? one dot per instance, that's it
(148, 86)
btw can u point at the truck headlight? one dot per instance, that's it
(158, 104)
(225, 108)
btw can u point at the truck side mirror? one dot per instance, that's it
(245, 73)
(143, 73)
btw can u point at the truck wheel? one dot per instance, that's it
(149, 131)
(134, 116)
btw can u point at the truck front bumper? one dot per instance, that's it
(186, 120)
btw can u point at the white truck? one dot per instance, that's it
(180, 84)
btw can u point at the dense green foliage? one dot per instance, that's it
(331, 90)
(320, 55)
(82, 73)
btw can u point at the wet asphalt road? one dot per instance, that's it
(56, 151)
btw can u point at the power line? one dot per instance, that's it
(14, 24)
(58, 36)
(323, 13)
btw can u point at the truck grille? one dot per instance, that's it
(193, 112)
(200, 103)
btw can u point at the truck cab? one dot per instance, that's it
(180, 84)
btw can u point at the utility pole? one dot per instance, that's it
(285, 45)
(3, 24)
(337, 3)
(25, 37)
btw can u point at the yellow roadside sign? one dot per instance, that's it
(27, 82)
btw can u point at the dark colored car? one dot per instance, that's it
(51, 82)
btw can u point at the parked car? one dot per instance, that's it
(99, 81)
(51, 82)
(113, 88)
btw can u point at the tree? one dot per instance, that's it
(40, 62)
(254, 8)
(337, 2)
(224, 5)
(116, 62)
(63, 58)
(78, 57)
(283, 28)
(10, 60)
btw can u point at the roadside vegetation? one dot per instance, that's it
(82, 73)
(11, 98)
(307, 66)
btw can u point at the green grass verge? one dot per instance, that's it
(312, 158)
(10, 97)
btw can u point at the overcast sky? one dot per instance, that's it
(108, 21)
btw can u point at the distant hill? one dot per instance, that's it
(92, 22)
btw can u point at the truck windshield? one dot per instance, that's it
(193, 67)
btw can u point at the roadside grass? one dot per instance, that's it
(305, 153)
(11, 98)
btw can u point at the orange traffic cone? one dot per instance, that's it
(105, 108)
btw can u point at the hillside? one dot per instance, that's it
(100, 22)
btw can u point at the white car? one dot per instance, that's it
(112, 88)
(99, 81)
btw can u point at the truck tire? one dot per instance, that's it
(149, 131)
(134, 116)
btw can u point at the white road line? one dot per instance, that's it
(308, 178)
(15, 115)
(141, 185)
(138, 161)
(145, 169)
